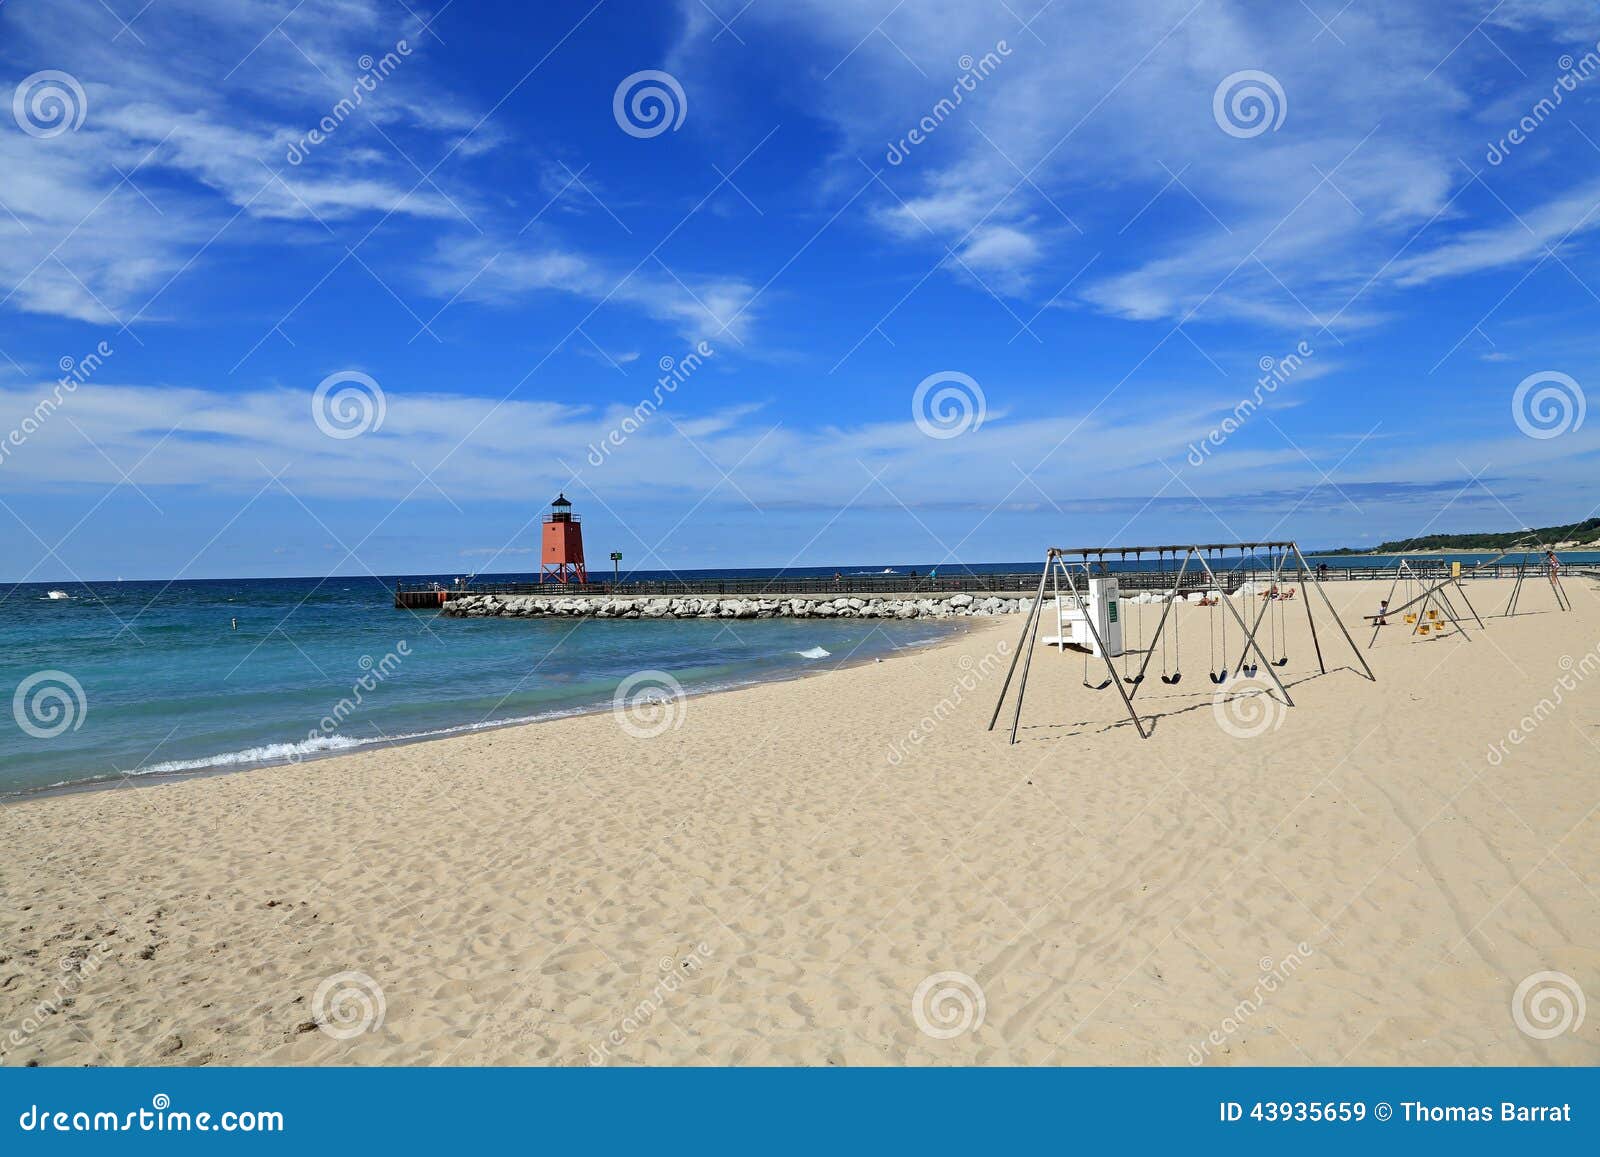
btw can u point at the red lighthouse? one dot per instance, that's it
(561, 558)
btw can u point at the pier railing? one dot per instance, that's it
(418, 594)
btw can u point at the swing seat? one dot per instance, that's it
(1411, 618)
(1098, 686)
(1134, 679)
(1249, 672)
(1219, 676)
(1422, 630)
(1433, 616)
(1172, 680)
(1283, 662)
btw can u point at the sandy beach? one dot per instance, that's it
(850, 869)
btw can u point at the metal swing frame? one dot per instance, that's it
(1562, 602)
(1435, 593)
(1056, 565)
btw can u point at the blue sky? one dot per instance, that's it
(1084, 264)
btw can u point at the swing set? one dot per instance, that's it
(1432, 603)
(1058, 566)
(1545, 558)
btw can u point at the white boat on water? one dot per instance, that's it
(57, 595)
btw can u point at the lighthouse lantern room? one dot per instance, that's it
(561, 556)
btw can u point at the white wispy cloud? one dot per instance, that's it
(167, 437)
(505, 272)
(1092, 114)
(1533, 233)
(188, 119)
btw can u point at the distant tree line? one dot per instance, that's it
(1586, 532)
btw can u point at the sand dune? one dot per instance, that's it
(770, 881)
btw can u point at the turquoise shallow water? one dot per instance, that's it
(168, 685)
(146, 678)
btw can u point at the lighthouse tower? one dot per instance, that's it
(561, 557)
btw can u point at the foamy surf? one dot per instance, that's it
(814, 653)
(325, 744)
